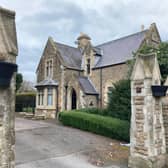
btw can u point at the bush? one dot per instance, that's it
(103, 112)
(119, 105)
(25, 102)
(107, 126)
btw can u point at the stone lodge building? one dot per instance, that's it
(72, 78)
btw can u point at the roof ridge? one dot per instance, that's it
(122, 38)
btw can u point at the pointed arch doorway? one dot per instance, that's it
(73, 99)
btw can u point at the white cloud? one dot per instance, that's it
(65, 19)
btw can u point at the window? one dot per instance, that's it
(49, 68)
(40, 97)
(88, 66)
(50, 97)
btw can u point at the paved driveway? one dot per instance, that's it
(45, 145)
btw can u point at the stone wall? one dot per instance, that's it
(48, 53)
(71, 80)
(165, 119)
(102, 77)
(88, 101)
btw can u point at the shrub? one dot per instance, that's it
(107, 126)
(103, 112)
(119, 105)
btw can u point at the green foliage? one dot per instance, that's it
(130, 64)
(26, 94)
(147, 49)
(162, 54)
(107, 126)
(28, 109)
(19, 80)
(103, 112)
(119, 105)
(25, 102)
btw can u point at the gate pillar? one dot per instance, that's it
(165, 115)
(8, 53)
(147, 133)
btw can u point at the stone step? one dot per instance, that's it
(39, 117)
(29, 115)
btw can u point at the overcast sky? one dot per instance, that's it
(102, 20)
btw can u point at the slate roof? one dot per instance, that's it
(120, 50)
(87, 86)
(110, 53)
(71, 55)
(98, 51)
(47, 82)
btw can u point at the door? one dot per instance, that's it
(74, 99)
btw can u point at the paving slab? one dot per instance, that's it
(41, 144)
(25, 124)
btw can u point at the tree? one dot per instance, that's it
(120, 100)
(19, 80)
(162, 55)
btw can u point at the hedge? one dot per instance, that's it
(25, 102)
(120, 114)
(107, 126)
(103, 112)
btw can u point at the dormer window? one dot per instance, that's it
(49, 68)
(88, 66)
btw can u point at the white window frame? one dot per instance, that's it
(49, 96)
(40, 97)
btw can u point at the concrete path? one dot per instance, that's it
(45, 145)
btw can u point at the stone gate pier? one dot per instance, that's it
(8, 53)
(165, 115)
(148, 141)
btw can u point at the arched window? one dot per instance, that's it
(49, 68)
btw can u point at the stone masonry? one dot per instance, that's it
(102, 65)
(148, 146)
(165, 115)
(8, 53)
